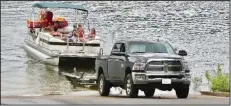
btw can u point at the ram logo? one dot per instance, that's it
(165, 67)
(122, 65)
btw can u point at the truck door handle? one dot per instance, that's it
(117, 59)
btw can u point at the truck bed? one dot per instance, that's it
(101, 61)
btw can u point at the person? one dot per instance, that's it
(80, 33)
(42, 16)
(49, 17)
(73, 35)
(55, 31)
(49, 21)
(92, 34)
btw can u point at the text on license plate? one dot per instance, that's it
(166, 81)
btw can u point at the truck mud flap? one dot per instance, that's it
(78, 62)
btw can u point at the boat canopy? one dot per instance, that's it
(59, 5)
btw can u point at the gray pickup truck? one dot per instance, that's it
(145, 66)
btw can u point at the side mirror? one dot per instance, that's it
(175, 49)
(182, 53)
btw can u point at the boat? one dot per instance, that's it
(52, 50)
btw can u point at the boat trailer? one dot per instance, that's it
(79, 76)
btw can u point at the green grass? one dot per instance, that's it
(218, 80)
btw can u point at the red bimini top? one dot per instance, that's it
(38, 24)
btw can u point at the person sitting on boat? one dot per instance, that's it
(92, 34)
(49, 20)
(73, 35)
(80, 32)
(55, 32)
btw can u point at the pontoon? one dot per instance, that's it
(55, 51)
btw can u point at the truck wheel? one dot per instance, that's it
(103, 86)
(131, 90)
(182, 92)
(149, 93)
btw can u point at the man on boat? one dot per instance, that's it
(47, 20)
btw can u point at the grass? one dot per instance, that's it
(218, 80)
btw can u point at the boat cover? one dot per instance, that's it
(59, 5)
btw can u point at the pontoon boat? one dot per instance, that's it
(55, 51)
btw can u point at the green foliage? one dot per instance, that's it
(218, 81)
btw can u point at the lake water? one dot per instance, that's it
(201, 28)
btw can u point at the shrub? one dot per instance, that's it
(218, 81)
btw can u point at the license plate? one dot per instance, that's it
(166, 81)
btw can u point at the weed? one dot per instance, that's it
(218, 81)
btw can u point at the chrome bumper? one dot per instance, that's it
(143, 78)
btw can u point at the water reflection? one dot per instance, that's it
(52, 80)
(74, 75)
(44, 79)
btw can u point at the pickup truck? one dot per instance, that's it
(145, 66)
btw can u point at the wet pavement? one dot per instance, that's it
(92, 97)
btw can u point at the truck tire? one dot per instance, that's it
(182, 92)
(131, 90)
(103, 86)
(149, 93)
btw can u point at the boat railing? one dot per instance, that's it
(48, 49)
(84, 43)
(44, 49)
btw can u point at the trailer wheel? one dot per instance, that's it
(103, 86)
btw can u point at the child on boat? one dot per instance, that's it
(92, 34)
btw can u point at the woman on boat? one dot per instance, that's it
(92, 34)
(80, 32)
(55, 32)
